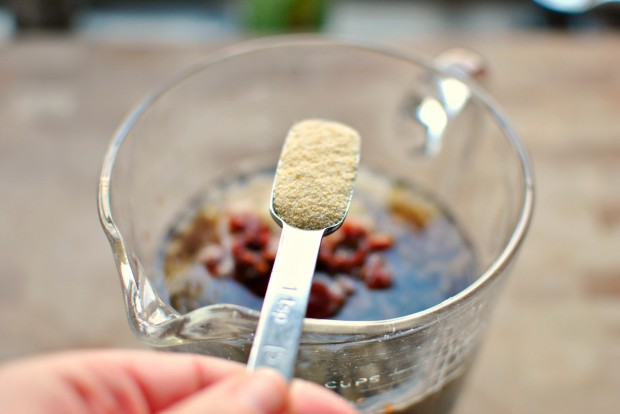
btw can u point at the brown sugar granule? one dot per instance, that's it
(314, 180)
(188, 243)
(413, 209)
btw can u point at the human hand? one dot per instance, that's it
(136, 382)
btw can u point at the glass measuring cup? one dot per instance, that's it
(229, 114)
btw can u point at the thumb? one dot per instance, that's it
(263, 391)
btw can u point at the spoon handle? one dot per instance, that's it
(276, 342)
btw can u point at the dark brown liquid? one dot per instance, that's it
(430, 259)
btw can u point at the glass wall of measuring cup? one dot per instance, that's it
(228, 115)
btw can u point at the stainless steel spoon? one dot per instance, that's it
(310, 198)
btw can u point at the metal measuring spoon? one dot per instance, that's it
(310, 198)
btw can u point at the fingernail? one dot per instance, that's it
(264, 390)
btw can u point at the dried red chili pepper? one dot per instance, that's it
(352, 250)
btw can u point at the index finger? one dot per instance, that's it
(124, 381)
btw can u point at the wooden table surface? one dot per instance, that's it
(554, 342)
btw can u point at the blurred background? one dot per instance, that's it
(70, 70)
(196, 20)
